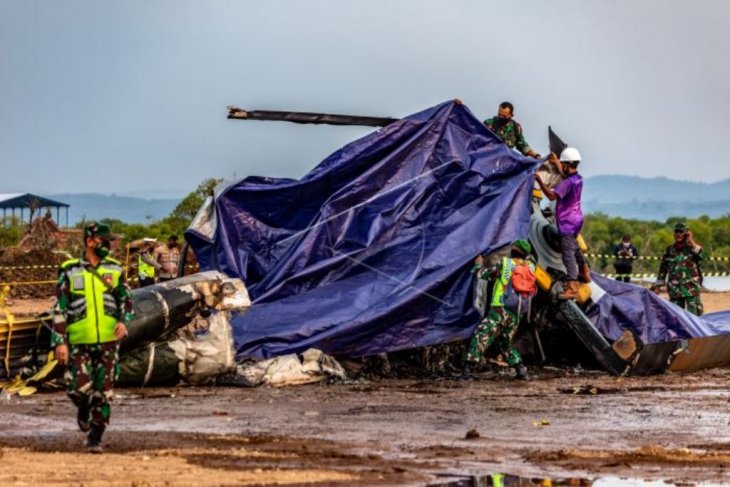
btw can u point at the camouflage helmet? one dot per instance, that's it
(681, 227)
(94, 229)
(522, 246)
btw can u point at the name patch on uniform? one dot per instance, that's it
(77, 282)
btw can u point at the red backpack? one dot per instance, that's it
(523, 279)
(521, 287)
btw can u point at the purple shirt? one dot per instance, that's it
(568, 215)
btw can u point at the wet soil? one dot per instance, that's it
(387, 432)
(564, 423)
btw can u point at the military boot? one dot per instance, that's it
(570, 290)
(83, 418)
(521, 372)
(93, 440)
(470, 367)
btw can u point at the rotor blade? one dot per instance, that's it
(307, 117)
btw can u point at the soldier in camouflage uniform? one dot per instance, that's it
(509, 130)
(92, 309)
(680, 266)
(500, 325)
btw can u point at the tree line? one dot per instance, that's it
(602, 232)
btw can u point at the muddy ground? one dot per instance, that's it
(565, 423)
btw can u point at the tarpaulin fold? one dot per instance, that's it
(372, 250)
(652, 318)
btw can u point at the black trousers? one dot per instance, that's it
(623, 270)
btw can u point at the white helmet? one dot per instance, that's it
(570, 154)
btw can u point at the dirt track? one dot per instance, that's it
(565, 423)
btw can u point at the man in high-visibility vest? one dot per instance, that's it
(146, 265)
(90, 318)
(507, 308)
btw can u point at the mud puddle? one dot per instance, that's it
(506, 480)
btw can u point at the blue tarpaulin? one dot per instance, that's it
(372, 250)
(652, 318)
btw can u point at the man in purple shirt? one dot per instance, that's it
(568, 216)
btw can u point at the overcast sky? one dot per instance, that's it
(131, 96)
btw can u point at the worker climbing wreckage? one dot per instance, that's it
(568, 217)
(509, 130)
(514, 288)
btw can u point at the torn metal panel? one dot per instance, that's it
(195, 354)
(163, 308)
(654, 358)
(702, 353)
(182, 331)
(592, 339)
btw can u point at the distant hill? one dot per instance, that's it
(655, 198)
(92, 206)
(157, 194)
(618, 189)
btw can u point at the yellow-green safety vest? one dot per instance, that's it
(508, 265)
(143, 268)
(93, 311)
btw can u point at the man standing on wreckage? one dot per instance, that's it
(91, 314)
(568, 217)
(509, 130)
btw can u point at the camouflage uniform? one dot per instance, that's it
(90, 376)
(92, 367)
(511, 134)
(500, 326)
(680, 266)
